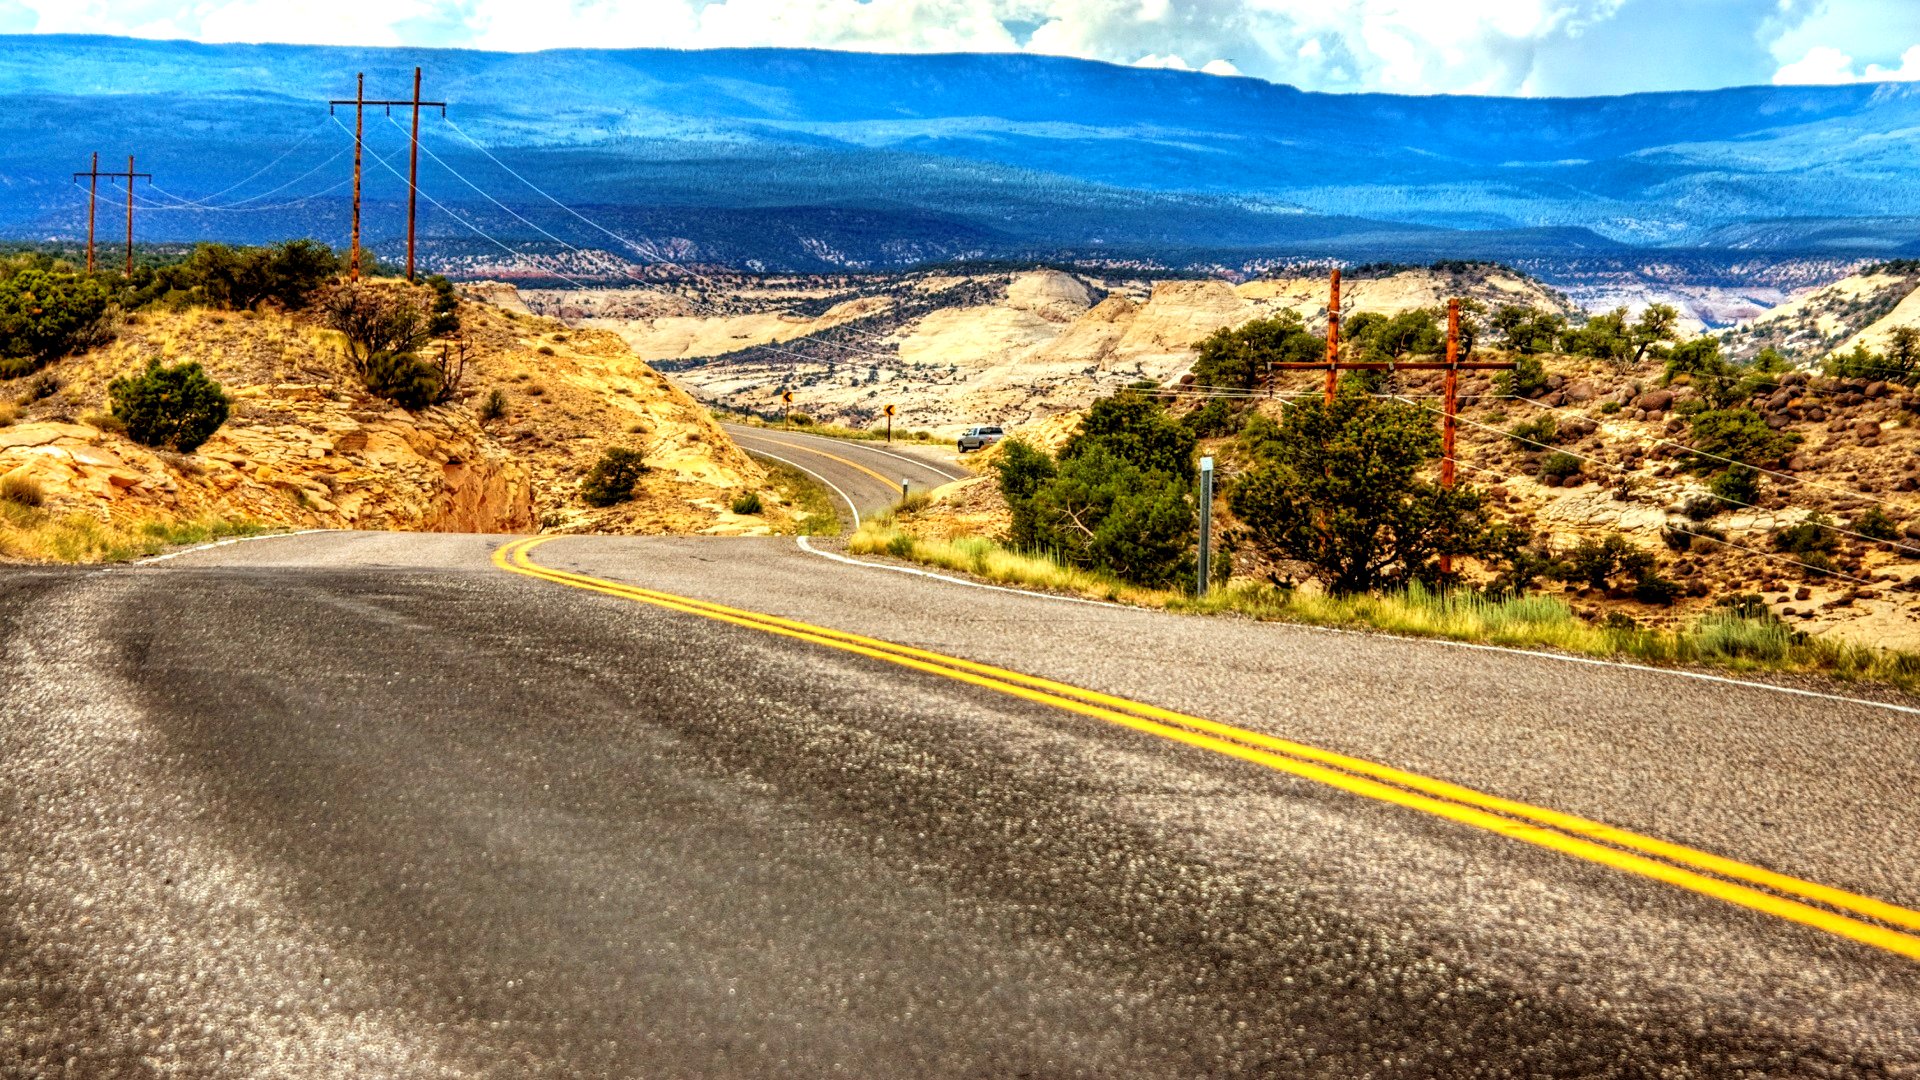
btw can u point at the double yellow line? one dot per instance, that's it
(1837, 911)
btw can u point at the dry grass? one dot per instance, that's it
(1719, 639)
(31, 535)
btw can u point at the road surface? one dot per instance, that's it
(404, 805)
(862, 477)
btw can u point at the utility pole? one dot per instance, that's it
(1333, 336)
(93, 176)
(1452, 366)
(93, 198)
(359, 102)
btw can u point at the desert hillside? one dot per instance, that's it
(1861, 308)
(306, 445)
(952, 350)
(1856, 464)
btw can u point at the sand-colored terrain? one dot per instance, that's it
(306, 446)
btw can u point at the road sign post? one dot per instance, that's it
(786, 408)
(1206, 526)
(889, 425)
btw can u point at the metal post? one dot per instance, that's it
(413, 172)
(903, 489)
(93, 196)
(889, 428)
(1206, 526)
(1333, 336)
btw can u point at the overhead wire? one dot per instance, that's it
(315, 130)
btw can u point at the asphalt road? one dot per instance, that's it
(862, 476)
(368, 804)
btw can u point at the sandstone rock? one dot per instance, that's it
(1654, 400)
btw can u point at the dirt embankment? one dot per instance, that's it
(306, 446)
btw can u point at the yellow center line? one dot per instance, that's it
(889, 481)
(1565, 833)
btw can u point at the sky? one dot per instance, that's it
(1506, 47)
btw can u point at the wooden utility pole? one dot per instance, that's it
(1333, 335)
(93, 198)
(360, 101)
(93, 176)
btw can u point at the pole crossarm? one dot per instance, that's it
(93, 176)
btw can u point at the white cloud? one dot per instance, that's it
(1826, 65)
(1416, 46)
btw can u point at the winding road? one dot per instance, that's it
(426, 805)
(863, 477)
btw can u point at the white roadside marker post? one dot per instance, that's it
(1206, 526)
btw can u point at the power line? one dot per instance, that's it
(470, 225)
(315, 130)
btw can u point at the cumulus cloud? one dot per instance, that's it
(1413, 46)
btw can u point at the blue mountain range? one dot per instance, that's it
(798, 159)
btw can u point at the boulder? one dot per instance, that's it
(1654, 400)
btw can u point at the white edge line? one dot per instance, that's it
(816, 476)
(208, 546)
(1561, 657)
(917, 572)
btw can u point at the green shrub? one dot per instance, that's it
(800, 419)
(1559, 467)
(1213, 420)
(1117, 499)
(1541, 430)
(747, 503)
(176, 407)
(1241, 357)
(1608, 408)
(1812, 536)
(45, 315)
(1652, 587)
(404, 379)
(443, 318)
(1595, 563)
(612, 479)
(494, 406)
(1876, 524)
(287, 274)
(1739, 435)
(1337, 488)
(1137, 430)
(1737, 485)
(1527, 379)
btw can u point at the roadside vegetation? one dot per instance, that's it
(801, 422)
(30, 534)
(1330, 517)
(1737, 636)
(812, 504)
